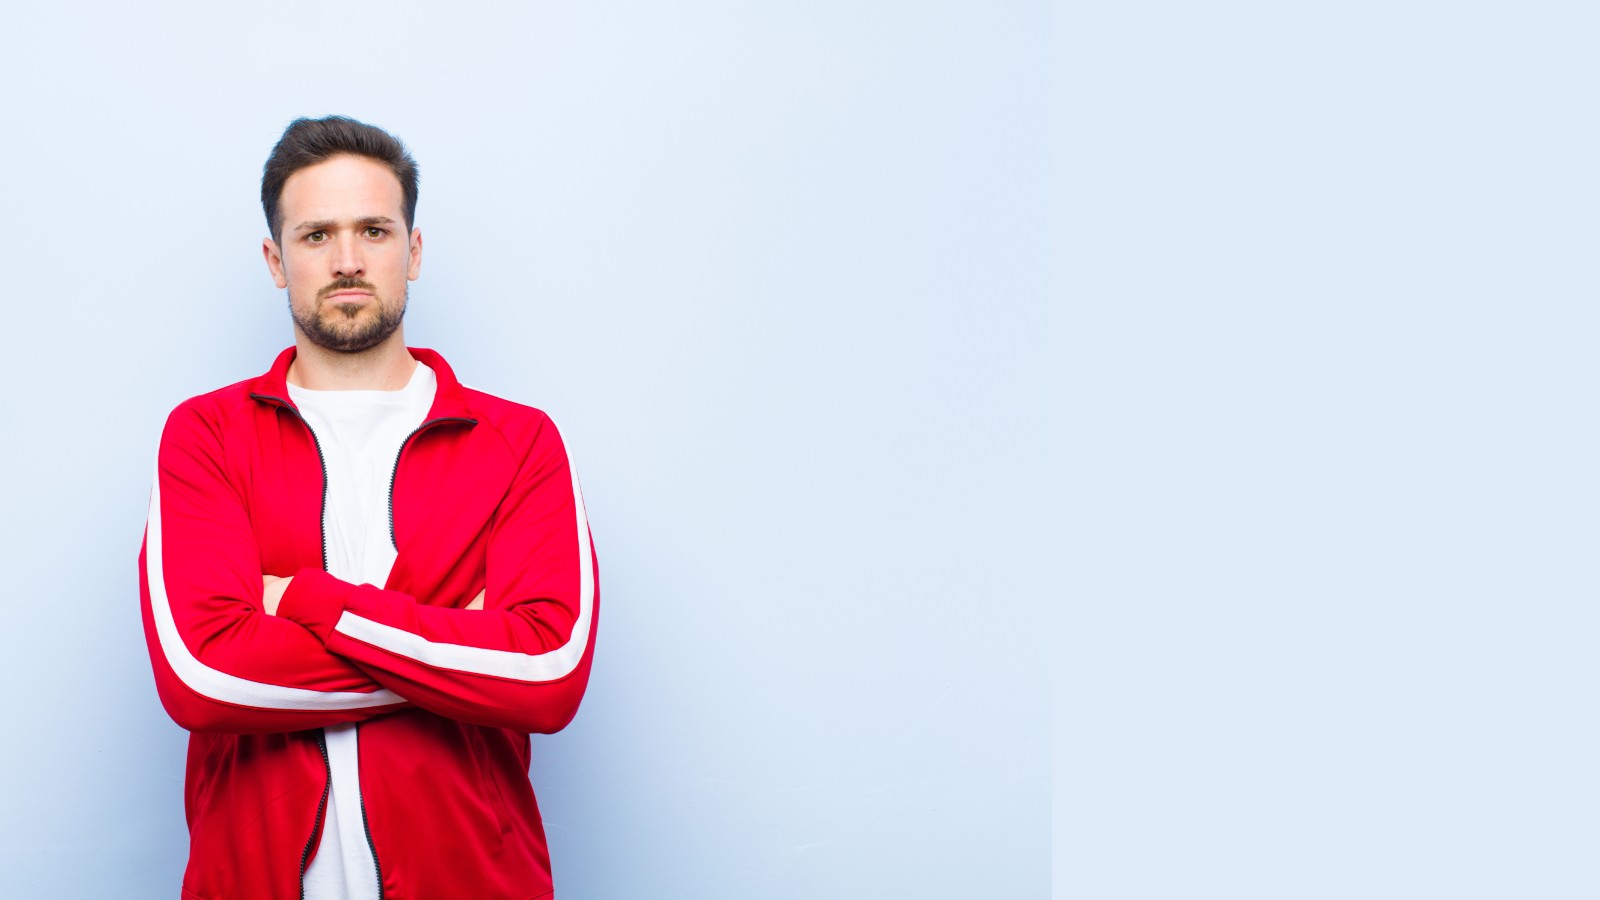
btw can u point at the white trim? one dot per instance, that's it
(548, 666)
(213, 683)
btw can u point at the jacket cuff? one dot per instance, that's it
(315, 599)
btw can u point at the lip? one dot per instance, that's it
(336, 295)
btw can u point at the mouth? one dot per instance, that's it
(347, 290)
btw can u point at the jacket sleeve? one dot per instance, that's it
(522, 661)
(221, 664)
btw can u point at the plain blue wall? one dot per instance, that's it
(776, 269)
(1335, 321)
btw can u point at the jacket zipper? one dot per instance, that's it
(322, 463)
(322, 740)
(370, 845)
(322, 805)
(395, 474)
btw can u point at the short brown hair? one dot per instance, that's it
(307, 142)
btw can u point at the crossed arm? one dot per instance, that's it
(227, 658)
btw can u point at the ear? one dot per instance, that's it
(269, 250)
(415, 268)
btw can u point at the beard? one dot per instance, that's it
(345, 328)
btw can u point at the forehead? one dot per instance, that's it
(341, 187)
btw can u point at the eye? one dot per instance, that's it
(375, 232)
(317, 237)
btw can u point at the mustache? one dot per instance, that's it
(346, 284)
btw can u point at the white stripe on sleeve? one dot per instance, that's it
(218, 685)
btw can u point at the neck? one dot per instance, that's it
(386, 367)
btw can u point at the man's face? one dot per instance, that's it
(344, 253)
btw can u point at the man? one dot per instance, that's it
(350, 740)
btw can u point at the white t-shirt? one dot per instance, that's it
(360, 434)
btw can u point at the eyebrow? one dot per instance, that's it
(322, 224)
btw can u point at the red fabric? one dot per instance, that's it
(483, 499)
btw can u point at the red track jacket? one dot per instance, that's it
(483, 498)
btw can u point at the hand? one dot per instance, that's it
(272, 588)
(477, 602)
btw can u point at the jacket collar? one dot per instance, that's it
(449, 398)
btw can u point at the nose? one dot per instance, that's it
(347, 260)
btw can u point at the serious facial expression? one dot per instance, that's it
(344, 253)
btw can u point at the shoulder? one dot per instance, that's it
(528, 432)
(208, 414)
(519, 422)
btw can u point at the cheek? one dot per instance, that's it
(302, 290)
(287, 269)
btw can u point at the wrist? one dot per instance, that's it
(314, 599)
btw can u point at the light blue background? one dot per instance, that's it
(779, 272)
(1334, 364)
